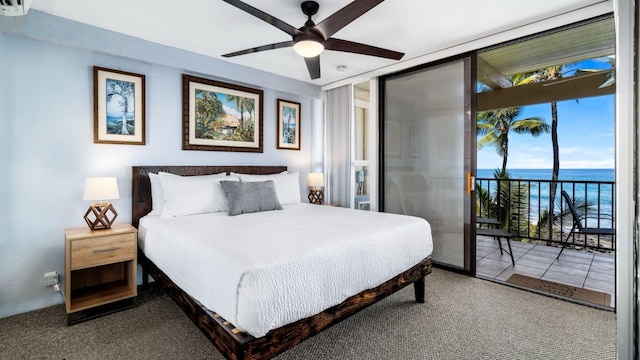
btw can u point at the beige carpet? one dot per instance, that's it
(568, 291)
(462, 318)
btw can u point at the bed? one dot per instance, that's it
(236, 342)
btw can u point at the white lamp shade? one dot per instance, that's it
(100, 188)
(315, 180)
(308, 48)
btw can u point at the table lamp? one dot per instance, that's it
(102, 214)
(315, 181)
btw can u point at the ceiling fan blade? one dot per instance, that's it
(263, 16)
(344, 16)
(313, 64)
(261, 48)
(358, 48)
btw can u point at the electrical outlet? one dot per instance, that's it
(50, 278)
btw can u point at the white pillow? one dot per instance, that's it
(157, 195)
(188, 195)
(241, 174)
(287, 185)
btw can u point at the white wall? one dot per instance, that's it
(46, 142)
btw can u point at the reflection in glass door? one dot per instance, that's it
(427, 159)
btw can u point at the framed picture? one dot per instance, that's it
(414, 142)
(288, 118)
(217, 116)
(118, 107)
(392, 139)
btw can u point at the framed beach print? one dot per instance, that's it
(118, 107)
(217, 116)
(288, 118)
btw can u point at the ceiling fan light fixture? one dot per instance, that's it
(308, 48)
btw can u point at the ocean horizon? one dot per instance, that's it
(593, 174)
(577, 182)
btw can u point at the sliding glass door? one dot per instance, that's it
(426, 154)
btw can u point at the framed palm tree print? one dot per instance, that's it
(118, 107)
(217, 116)
(288, 125)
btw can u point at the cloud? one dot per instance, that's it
(530, 163)
(588, 164)
(572, 150)
(234, 112)
(231, 111)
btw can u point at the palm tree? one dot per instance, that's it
(509, 203)
(495, 125)
(547, 74)
(564, 216)
(125, 91)
(243, 104)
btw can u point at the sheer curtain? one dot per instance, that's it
(337, 132)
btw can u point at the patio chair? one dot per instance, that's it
(577, 225)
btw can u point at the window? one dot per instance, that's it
(363, 147)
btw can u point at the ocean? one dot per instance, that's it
(545, 174)
(579, 183)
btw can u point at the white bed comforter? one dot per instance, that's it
(264, 270)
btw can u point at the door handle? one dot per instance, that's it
(471, 183)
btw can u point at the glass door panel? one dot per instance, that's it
(426, 117)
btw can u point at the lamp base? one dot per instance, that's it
(316, 197)
(100, 216)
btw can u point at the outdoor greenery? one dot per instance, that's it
(547, 74)
(508, 202)
(562, 217)
(494, 127)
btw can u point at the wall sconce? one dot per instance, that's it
(102, 214)
(315, 181)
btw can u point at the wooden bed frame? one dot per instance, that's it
(230, 341)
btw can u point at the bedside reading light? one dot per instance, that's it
(315, 181)
(102, 214)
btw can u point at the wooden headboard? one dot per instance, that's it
(141, 186)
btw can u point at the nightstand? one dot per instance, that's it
(100, 271)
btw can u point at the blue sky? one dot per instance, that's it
(585, 136)
(230, 107)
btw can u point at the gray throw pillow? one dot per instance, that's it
(250, 197)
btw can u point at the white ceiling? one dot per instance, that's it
(213, 27)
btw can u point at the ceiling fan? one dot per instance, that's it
(311, 39)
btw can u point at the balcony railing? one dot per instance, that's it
(522, 206)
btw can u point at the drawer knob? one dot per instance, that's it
(105, 250)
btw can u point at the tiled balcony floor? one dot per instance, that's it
(577, 268)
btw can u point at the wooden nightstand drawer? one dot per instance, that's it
(102, 250)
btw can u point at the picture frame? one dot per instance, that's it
(118, 107)
(218, 116)
(392, 139)
(288, 118)
(414, 142)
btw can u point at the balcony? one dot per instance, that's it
(588, 262)
(582, 269)
(522, 207)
